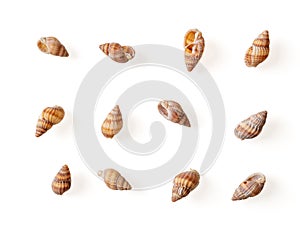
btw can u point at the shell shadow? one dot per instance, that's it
(78, 184)
(272, 130)
(277, 56)
(63, 129)
(203, 192)
(214, 56)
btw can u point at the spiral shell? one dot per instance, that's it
(62, 181)
(252, 126)
(173, 112)
(251, 187)
(113, 123)
(259, 50)
(49, 117)
(51, 45)
(193, 48)
(114, 180)
(118, 53)
(184, 183)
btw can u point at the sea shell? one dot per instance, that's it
(62, 181)
(193, 48)
(172, 111)
(118, 53)
(259, 50)
(51, 45)
(49, 117)
(251, 187)
(114, 180)
(251, 127)
(113, 123)
(184, 183)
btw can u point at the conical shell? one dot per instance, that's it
(251, 187)
(113, 123)
(184, 183)
(51, 45)
(114, 180)
(193, 48)
(118, 53)
(49, 117)
(42, 126)
(251, 127)
(62, 181)
(173, 112)
(259, 50)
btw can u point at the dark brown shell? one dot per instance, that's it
(252, 126)
(173, 112)
(259, 50)
(62, 181)
(114, 180)
(251, 187)
(118, 53)
(53, 46)
(184, 183)
(193, 48)
(49, 117)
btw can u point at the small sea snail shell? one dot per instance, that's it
(62, 181)
(114, 180)
(113, 123)
(118, 53)
(53, 46)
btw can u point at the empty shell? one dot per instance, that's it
(193, 48)
(252, 126)
(251, 187)
(173, 112)
(49, 117)
(184, 183)
(114, 180)
(51, 45)
(118, 53)
(113, 123)
(62, 181)
(259, 50)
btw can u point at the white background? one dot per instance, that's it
(31, 80)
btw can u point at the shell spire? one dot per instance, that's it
(51, 45)
(252, 126)
(114, 180)
(184, 183)
(193, 48)
(251, 187)
(259, 50)
(62, 181)
(173, 112)
(49, 117)
(118, 53)
(113, 123)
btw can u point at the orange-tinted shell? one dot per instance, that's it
(113, 123)
(184, 183)
(252, 126)
(51, 45)
(251, 187)
(114, 180)
(62, 181)
(259, 50)
(193, 48)
(118, 53)
(49, 117)
(173, 112)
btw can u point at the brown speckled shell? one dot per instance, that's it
(251, 187)
(173, 112)
(251, 127)
(114, 180)
(49, 117)
(118, 53)
(51, 45)
(259, 50)
(62, 181)
(184, 183)
(193, 48)
(113, 123)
